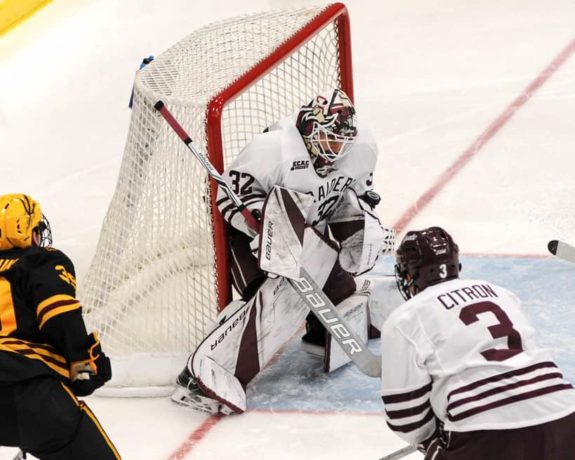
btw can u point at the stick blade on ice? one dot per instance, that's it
(399, 454)
(562, 250)
(552, 246)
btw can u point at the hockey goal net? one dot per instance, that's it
(160, 272)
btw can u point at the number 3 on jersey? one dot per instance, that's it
(7, 313)
(504, 328)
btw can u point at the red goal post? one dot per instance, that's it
(335, 13)
(161, 273)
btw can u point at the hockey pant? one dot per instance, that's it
(42, 416)
(553, 440)
(247, 277)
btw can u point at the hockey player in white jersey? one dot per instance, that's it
(320, 151)
(322, 157)
(462, 374)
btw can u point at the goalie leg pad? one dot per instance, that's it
(244, 342)
(375, 299)
(384, 297)
(230, 394)
(191, 396)
(188, 393)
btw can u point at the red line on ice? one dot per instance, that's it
(483, 138)
(196, 436)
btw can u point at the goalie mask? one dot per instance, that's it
(22, 223)
(328, 127)
(425, 258)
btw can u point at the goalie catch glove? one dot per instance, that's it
(87, 375)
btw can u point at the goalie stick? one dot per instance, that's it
(305, 286)
(400, 453)
(562, 250)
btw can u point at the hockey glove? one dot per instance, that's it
(425, 445)
(91, 373)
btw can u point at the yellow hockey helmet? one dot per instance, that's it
(20, 215)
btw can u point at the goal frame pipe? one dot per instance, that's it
(336, 12)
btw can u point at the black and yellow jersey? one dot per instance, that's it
(41, 325)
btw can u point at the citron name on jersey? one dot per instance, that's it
(467, 294)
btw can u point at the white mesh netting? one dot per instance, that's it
(152, 287)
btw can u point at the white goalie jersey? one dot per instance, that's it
(280, 157)
(463, 352)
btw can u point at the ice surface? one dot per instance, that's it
(431, 79)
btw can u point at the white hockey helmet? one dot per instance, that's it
(328, 126)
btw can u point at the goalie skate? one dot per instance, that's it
(188, 394)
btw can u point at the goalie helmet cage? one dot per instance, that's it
(160, 272)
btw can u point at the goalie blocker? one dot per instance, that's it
(247, 335)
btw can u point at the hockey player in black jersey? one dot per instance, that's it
(47, 358)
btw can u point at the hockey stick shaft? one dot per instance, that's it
(562, 250)
(324, 309)
(313, 296)
(215, 175)
(403, 452)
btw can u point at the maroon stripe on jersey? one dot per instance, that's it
(504, 388)
(253, 197)
(395, 414)
(248, 364)
(41, 346)
(246, 199)
(412, 426)
(233, 209)
(58, 304)
(402, 397)
(503, 376)
(48, 359)
(511, 399)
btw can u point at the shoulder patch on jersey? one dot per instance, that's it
(299, 164)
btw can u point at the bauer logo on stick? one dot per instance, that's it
(326, 315)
